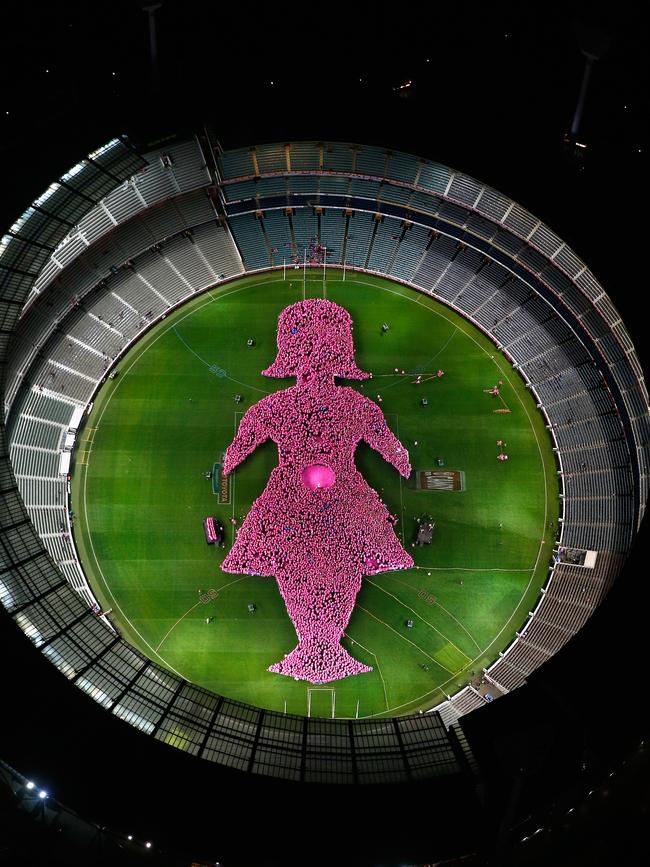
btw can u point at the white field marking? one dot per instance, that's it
(464, 628)
(399, 379)
(408, 640)
(321, 689)
(208, 365)
(103, 577)
(476, 658)
(196, 604)
(164, 638)
(469, 569)
(417, 590)
(383, 682)
(232, 483)
(430, 625)
(401, 495)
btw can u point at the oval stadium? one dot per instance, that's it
(140, 295)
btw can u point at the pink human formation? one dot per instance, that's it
(210, 531)
(318, 527)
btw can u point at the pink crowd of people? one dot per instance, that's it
(210, 532)
(318, 527)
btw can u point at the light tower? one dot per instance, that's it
(151, 10)
(594, 42)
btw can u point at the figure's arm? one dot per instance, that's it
(253, 430)
(381, 438)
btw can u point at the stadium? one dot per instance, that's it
(141, 292)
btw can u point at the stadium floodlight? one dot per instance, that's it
(30, 785)
(42, 794)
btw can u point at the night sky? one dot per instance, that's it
(493, 91)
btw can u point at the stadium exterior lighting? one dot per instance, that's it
(30, 785)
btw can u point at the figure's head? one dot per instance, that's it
(315, 338)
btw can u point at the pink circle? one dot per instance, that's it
(318, 476)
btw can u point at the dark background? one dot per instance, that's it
(494, 89)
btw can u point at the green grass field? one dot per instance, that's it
(140, 498)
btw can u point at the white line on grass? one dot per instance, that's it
(401, 495)
(171, 628)
(232, 484)
(400, 379)
(404, 638)
(367, 649)
(196, 604)
(101, 573)
(469, 569)
(208, 365)
(424, 620)
(321, 689)
(464, 628)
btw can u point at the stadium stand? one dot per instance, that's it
(73, 300)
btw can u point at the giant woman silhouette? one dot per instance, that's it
(318, 527)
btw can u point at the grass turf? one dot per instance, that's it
(140, 498)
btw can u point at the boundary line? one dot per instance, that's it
(464, 628)
(408, 640)
(435, 629)
(367, 649)
(196, 604)
(401, 493)
(321, 689)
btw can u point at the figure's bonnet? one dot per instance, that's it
(315, 336)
